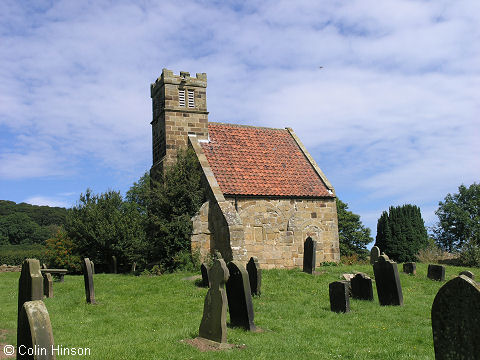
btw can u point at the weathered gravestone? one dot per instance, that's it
(93, 267)
(239, 296)
(34, 332)
(410, 268)
(214, 321)
(113, 264)
(309, 255)
(204, 271)
(339, 299)
(456, 320)
(361, 286)
(374, 254)
(468, 274)
(30, 284)
(389, 289)
(88, 279)
(436, 272)
(254, 275)
(48, 285)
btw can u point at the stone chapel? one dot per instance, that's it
(266, 193)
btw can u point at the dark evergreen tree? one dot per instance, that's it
(401, 232)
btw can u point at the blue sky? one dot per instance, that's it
(385, 95)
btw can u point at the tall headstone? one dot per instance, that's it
(389, 289)
(48, 285)
(214, 321)
(88, 279)
(34, 332)
(339, 299)
(239, 297)
(93, 267)
(204, 271)
(374, 254)
(309, 255)
(30, 285)
(410, 268)
(361, 286)
(455, 320)
(436, 272)
(254, 275)
(113, 264)
(468, 274)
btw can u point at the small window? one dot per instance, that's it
(181, 97)
(191, 98)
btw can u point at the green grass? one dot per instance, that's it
(146, 317)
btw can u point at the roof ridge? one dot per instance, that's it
(245, 126)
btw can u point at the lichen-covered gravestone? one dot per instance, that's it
(214, 321)
(239, 296)
(88, 279)
(374, 254)
(361, 286)
(30, 284)
(339, 299)
(410, 268)
(204, 271)
(456, 320)
(309, 255)
(34, 332)
(389, 289)
(436, 272)
(254, 275)
(468, 274)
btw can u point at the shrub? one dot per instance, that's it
(470, 254)
(15, 254)
(60, 252)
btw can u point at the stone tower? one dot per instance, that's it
(179, 108)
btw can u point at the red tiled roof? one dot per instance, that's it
(250, 160)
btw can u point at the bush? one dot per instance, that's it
(354, 259)
(470, 254)
(15, 254)
(60, 253)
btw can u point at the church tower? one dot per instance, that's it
(179, 105)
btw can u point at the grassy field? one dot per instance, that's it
(147, 317)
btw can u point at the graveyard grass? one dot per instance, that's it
(147, 317)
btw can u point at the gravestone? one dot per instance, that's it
(34, 332)
(468, 274)
(239, 297)
(93, 267)
(436, 272)
(204, 271)
(30, 284)
(113, 264)
(48, 285)
(339, 299)
(134, 267)
(389, 289)
(309, 255)
(455, 320)
(361, 286)
(410, 268)
(254, 275)
(374, 254)
(214, 321)
(88, 279)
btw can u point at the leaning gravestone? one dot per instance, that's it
(362, 287)
(34, 332)
(410, 268)
(239, 297)
(456, 320)
(389, 289)
(204, 271)
(254, 275)
(88, 279)
(309, 255)
(214, 321)
(339, 299)
(468, 273)
(374, 254)
(30, 285)
(113, 264)
(436, 272)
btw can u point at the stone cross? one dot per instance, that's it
(339, 299)
(254, 275)
(436, 272)
(309, 255)
(88, 279)
(374, 254)
(113, 265)
(204, 271)
(239, 297)
(214, 321)
(30, 284)
(469, 274)
(389, 289)
(34, 332)
(410, 268)
(455, 320)
(362, 287)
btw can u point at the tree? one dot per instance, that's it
(459, 218)
(353, 236)
(401, 232)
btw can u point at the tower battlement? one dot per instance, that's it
(184, 79)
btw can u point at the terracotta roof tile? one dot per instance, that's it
(250, 160)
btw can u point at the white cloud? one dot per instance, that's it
(46, 201)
